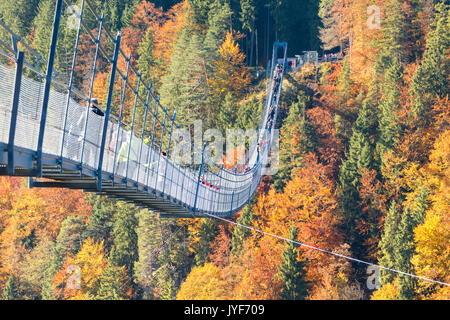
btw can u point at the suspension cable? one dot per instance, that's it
(328, 252)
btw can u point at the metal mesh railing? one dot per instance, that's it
(107, 146)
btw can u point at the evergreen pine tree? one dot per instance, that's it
(240, 234)
(56, 262)
(431, 77)
(248, 15)
(18, 15)
(359, 156)
(389, 129)
(388, 242)
(298, 138)
(227, 113)
(208, 232)
(329, 33)
(292, 271)
(149, 238)
(100, 224)
(185, 86)
(11, 292)
(218, 26)
(405, 248)
(124, 249)
(112, 284)
(245, 118)
(146, 61)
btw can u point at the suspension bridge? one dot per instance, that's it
(49, 133)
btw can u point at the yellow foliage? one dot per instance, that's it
(203, 283)
(389, 291)
(230, 72)
(432, 258)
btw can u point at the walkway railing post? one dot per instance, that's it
(200, 171)
(119, 122)
(69, 92)
(132, 127)
(108, 111)
(191, 193)
(231, 206)
(150, 156)
(160, 149)
(94, 70)
(168, 153)
(147, 101)
(47, 87)
(219, 187)
(14, 112)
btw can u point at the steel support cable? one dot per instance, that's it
(328, 252)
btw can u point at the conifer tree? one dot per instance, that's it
(185, 87)
(227, 112)
(388, 242)
(389, 128)
(431, 77)
(292, 271)
(248, 15)
(11, 292)
(240, 234)
(146, 61)
(124, 249)
(18, 15)
(200, 10)
(113, 284)
(298, 138)
(360, 156)
(405, 247)
(56, 262)
(218, 25)
(329, 32)
(246, 114)
(208, 232)
(100, 223)
(149, 238)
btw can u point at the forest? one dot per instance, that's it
(364, 161)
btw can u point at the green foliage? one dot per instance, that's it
(227, 113)
(112, 285)
(301, 16)
(298, 138)
(124, 250)
(208, 232)
(240, 234)
(360, 155)
(70, 236)
(388, 243)
(389, 128)
(146, 61)
(292, 271)
(218, 25)
(200, 10)
(405, 247)
(56, 262)
(11, 292)
(149, 238)
(248, 15)
(100, 223)
(18, 15)
(185, 88)
(245, 118)
(431, 77)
